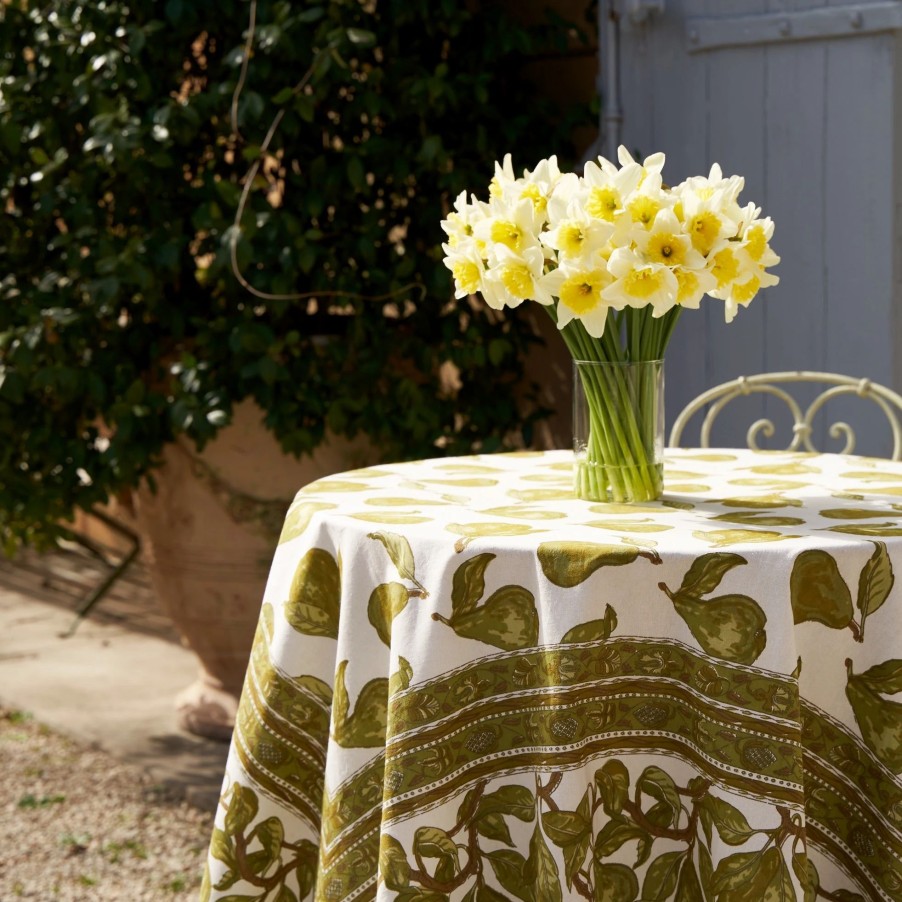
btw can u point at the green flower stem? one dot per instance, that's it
(617, 464)
(630, 448)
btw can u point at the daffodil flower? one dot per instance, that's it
(579, 292)
(516, 226)
(638, 283)
(513, 278)
(578, 236)
(666, 243)
(467, 267)
(609, 187)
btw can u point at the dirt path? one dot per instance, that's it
(79, 826)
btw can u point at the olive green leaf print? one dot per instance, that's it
(878, 718)
(401, 555)
(874, 583)
(614, 817)
(507, 619)
(593, 630)
(259, 855)
(314, 597)
(400, 680)
(567, 564)
(298, 518)
(818, 591)
(365, 727)
(726, 626)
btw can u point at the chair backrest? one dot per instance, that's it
(717, 398)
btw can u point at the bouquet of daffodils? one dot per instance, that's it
(614, 256)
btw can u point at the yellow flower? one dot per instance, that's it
(579, 292)
(666, 244)
(638, 283)
(513, 278)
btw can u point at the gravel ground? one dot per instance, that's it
(79, 826)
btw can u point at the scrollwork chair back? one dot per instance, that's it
(720, 396)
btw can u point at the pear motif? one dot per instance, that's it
(728, 626)
(818, 591)
(567, 564)
(507, 620)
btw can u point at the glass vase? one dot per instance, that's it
(618, 430)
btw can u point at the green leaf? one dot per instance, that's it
(393, 865)
(468, 583)
(400, 679)
(271, 834)
(361, 37)
(565, 827)
(613, 782)
(356, 174)
(806, 874)
(540, 871)
(689, 888)
(493, 826)
(575, 857)
(222, 849)
(661, 877)
(509, 868)
(243, 807)
(431, 842)
(745, 876)
(613, 835)
(399, 551)
(314, 598)
(614, 883)
(512, 800)
(659, 785)
(875, 582)
(593, 630)
(731, 824)
(707, 571)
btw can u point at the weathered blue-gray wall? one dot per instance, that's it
(802, 98)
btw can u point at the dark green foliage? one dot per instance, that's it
(119, 182)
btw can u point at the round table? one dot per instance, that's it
(468, 685)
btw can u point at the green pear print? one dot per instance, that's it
(730, 626)
(506, 619)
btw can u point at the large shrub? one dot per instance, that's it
(120, 177)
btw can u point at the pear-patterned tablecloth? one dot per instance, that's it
(468, 685)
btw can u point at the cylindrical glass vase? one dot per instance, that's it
(618, 430)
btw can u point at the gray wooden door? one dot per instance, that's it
(802, 98)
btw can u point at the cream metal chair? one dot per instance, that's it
(769, 384)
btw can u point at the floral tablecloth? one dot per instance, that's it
(468, 685)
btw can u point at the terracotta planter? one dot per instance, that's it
(209, 532)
